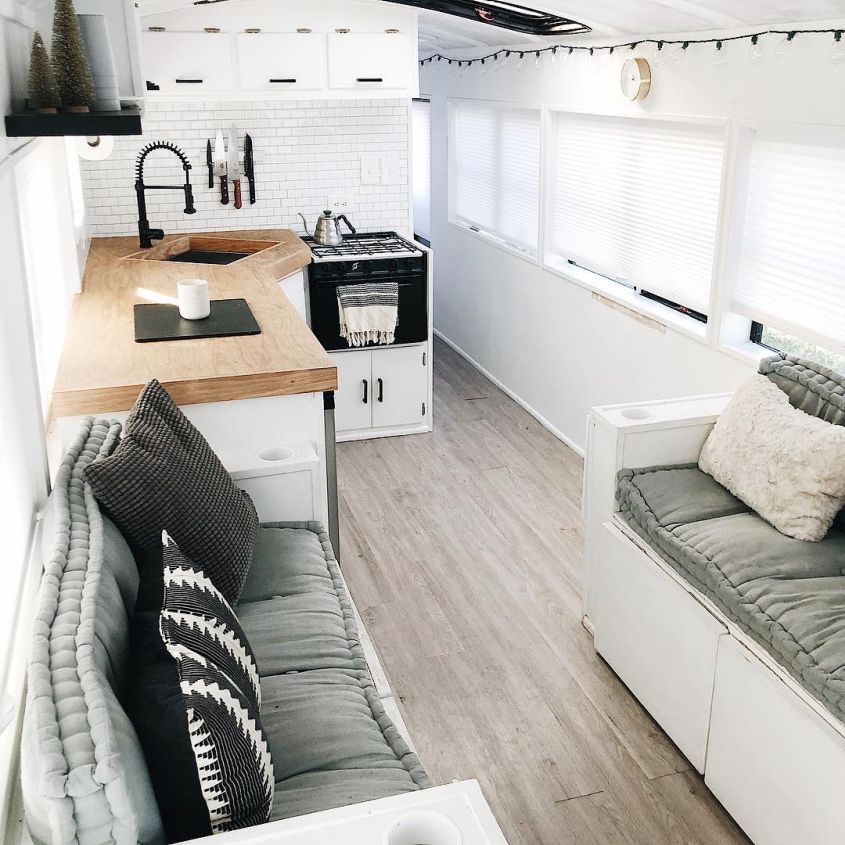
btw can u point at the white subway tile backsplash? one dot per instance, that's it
(306, 152)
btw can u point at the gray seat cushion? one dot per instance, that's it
(331, 742)
(788, 594)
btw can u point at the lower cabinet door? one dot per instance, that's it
(399, 386)
(354, 395)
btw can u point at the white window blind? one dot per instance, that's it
(791, 270)
(638, 201)
(421, 170)
(496, 171)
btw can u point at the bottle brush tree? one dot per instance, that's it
(43, 92)
(70, 62)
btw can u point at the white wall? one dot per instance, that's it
(306, 153)
(547, 340)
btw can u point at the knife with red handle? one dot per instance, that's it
(234, 164)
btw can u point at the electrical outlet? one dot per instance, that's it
(370, 170)
(340, 204)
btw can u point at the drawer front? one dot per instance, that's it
(282, 61)
(187, 62)
(776, 766)
(370, 61)
(657, 638)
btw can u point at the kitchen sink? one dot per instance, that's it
(203, 250)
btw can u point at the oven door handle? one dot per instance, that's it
(366, 390)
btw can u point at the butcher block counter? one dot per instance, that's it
(103, 369)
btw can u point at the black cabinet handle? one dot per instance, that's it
(380, 390)
(189, 82)
(370, 79)
(282, 80)
(366, 389)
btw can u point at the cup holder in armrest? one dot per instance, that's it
(423, 827)
(276, 454)
(636, 413)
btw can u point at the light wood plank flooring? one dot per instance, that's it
(463, 551)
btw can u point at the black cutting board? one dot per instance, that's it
(228, 317)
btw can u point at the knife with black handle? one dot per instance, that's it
(209, 160)
(220, 167)
(249, 167)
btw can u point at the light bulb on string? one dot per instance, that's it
(484, 68)
(721, 59)
(756, 54)
(538, 60)
(520, 62)
(659, 55)
(837, 54)
(553, 61)
(783, 46)
(678, 54)
(498, 63)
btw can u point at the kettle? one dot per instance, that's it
(327, 232)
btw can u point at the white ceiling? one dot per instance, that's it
(609, 19)
(624, 18)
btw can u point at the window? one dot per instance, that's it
(495, 172)
(421, 168)
(790, 274)
(779, 341)
(638, 201)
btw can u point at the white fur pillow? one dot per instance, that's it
(783, 463)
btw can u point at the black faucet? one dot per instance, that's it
(145, 233)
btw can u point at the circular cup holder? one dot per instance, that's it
(276, 455)
(423, 828)
(636, 414)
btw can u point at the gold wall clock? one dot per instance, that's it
(636, 79)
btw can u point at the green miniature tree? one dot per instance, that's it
(43, 92)
(70, 62)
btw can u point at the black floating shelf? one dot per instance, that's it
(28, 124)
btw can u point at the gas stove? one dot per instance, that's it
(364, 245)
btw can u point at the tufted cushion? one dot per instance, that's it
(814, 389)
(164, 474)
(83, 774)
(788, 594)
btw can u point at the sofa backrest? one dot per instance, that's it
(83, 773)
(811, 387)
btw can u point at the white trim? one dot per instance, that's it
(516, 398)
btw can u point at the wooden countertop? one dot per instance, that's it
(103, 369)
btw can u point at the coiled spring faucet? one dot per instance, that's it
(145, 233)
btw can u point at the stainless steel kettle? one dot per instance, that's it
(327, 232)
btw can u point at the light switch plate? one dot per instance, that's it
(370, 170)
(391, 171)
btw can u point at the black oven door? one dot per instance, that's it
(412, 323)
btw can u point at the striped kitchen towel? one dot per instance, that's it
(368, 312)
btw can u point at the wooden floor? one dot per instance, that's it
(463, 551)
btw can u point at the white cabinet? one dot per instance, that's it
(187, 62)
(281, 61)
(370, 60)
(381, 389)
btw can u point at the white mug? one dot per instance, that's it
(194, 303)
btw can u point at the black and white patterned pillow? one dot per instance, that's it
(164, 473)
(231, 752)
(196, 616)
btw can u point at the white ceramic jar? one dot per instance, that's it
(194, 302)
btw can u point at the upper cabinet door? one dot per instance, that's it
(282, 61)
(185, 62)
(374, 60)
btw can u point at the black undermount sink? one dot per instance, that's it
(200, 256)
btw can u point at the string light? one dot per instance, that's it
(538, 61)
(837, 54)
(756, 54)
(756, 50)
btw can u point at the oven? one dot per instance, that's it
(409, 272)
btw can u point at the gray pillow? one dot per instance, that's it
(165, 475)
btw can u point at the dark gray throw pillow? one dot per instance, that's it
(164, 474)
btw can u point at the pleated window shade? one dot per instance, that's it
(495, 176)
(791, 268)
(638, 201)
(421, 170)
